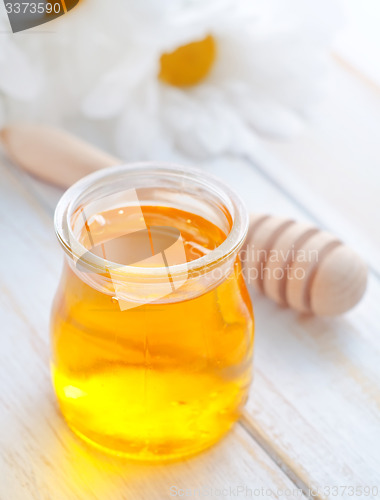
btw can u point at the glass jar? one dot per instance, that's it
(152, 325)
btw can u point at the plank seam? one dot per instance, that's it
(270, 451)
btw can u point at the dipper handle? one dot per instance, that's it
(52, 154)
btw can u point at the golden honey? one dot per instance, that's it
(162, 379)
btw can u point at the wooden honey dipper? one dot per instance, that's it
(300, 266)
(293, 263)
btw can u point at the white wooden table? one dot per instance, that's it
(313, 418)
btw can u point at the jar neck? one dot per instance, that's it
(158, 184)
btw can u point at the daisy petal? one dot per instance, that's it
(18, 78)
(265, 116)
(140, 134)
(273, 119)
(108, 97)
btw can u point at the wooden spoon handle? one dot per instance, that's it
(52, 154)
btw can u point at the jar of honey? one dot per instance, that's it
(152, 324)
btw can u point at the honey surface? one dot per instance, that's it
(158, 381)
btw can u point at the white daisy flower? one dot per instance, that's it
(199, 77)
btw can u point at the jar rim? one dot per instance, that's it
(230, 246)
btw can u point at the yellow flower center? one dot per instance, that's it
(189, 64)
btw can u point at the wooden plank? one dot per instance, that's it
(39, 457)
(316, 396)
